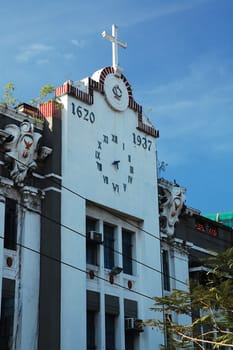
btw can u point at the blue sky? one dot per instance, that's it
(179, 61)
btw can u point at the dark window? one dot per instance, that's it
(166, 270)
(129, 341)
(112, 309)
(127, 249)
(10, 228)
(168, 321)
(110, 331)
(91, 330)
(93, 307)
(7, 313)
(91, 247)
(130, 311)
(108, 246)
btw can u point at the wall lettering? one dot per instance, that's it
(143, 142)
(105, 178)
(114, 138)
(83, 113)
(105, 138)
(99, 166)
(115, 187)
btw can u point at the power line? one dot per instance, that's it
(109, 211)
(109, 247)
(78, 269)
(122, 217)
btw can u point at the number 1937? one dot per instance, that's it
(142, 141)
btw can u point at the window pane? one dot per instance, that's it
(91, 248)
(109, 332)
(166, 271)
(91, 253)
(129, 341)
(91, 330)
(10, 230)
(91, 224)
(7, 313)
(108, 246)
(127, 252)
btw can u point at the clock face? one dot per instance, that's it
(116, 92)
(114, 163)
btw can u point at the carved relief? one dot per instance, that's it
(31, 198)
(171, 200)
(20, 144)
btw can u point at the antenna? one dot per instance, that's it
(161, 167)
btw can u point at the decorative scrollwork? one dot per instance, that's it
(20, 144)
(171, 200)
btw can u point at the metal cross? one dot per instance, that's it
(115, 43)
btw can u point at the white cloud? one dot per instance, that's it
(43, 61)
(194, 113)
(78, 43)
(32, 51)
(161, 9)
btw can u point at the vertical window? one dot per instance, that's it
(93, 307)
(127, 249)
(10, 228)
(168, 338)
(166, 270)
(111, 313)
(7, 313)
(108, 246)
(130, 312)
(110, 332)
(91, 246)
(91, 330)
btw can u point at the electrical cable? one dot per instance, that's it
(115, 214)
(119, 216)
(123, 219)
(79, 269)
(109, 247)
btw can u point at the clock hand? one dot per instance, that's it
(116, 163)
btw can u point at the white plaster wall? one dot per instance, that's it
(73, 277)
(27, 287)
(2, 218)
(80, 141)
(180, 272)
(73, 250)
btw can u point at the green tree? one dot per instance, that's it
(45, 91)
(208, 305)
(8, 96)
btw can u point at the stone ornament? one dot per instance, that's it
(171, 200)
(20, 144)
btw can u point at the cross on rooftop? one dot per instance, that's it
(115, 43)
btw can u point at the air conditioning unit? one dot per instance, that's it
(133, 324)
(94, 236)
(129, 323)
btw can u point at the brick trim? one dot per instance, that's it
(50, 109)
(68, 88)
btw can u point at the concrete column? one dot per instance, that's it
(2, 219)
(101, 325)
(29, 272)
(73, 276)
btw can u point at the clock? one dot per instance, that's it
(114, 163)
(116, 92)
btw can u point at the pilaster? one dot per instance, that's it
(2, 219)
(28, 270)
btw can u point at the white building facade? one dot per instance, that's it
(109, 163)
(86, 261)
